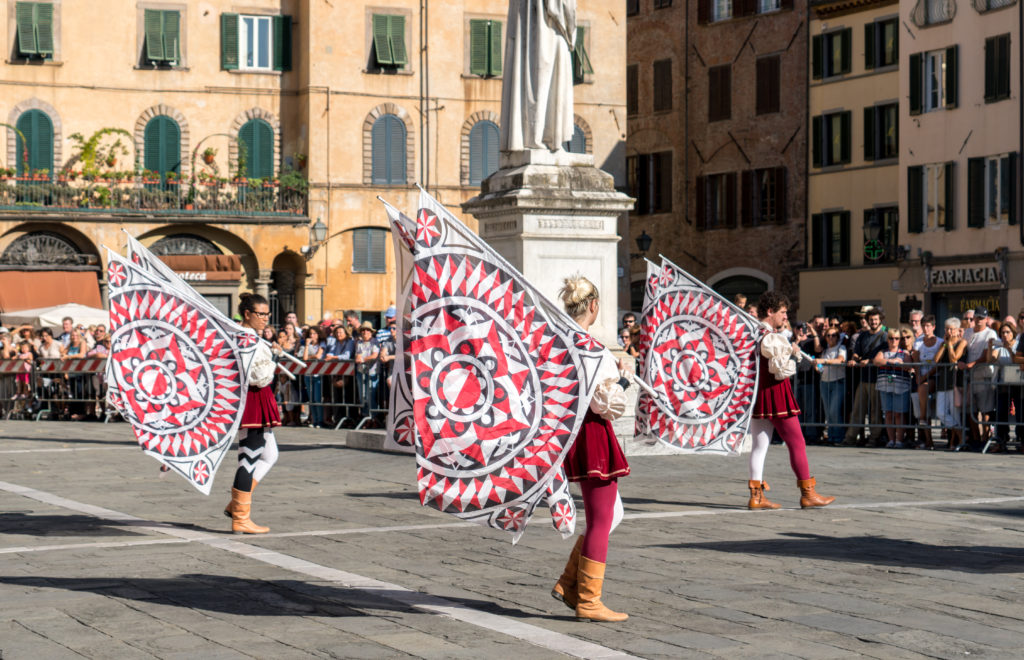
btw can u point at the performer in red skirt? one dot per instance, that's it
(257, 451)
(775, 408)
(595, 461)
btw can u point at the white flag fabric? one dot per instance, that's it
(499, 379)
(178, 368)
(698, 353)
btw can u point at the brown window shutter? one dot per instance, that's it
(730, 199)
(781, 207)
(702, 202)
(748, 198)
(703, 11)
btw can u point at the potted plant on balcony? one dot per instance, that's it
(150, 177)
(209, 154)
(41, 174)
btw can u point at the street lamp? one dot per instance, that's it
(317, 236)
(643, 242)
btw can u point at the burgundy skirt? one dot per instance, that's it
(776, 400)
(260, 409)
(596, 454)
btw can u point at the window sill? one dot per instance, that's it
(161, 68)
(33, 62)
(997, 100)
(935, 24)
(665, 111)
(251, 72)
(472, 76)
(382, 72)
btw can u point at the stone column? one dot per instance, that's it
(263, 283)
(551, 215)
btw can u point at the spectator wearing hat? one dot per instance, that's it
(367, 367)
(389, 317)
(982, 400)
(866, 401)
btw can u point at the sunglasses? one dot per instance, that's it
(832, 334)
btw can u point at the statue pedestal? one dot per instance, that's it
(552, 214)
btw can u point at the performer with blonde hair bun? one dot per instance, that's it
(775, 408)
(596, 461)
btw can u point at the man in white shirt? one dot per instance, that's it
(983, 396)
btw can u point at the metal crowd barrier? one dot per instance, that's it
(1004, 390)
(335, 392)
(69, 386)
(11, 401)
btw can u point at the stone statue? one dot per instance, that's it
(536, 93)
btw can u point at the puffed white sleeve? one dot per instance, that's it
(609, 400)
(261, 371)
(778, 350)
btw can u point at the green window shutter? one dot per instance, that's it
(360, 250)
(581, 67)
(915, 199)
(869, 133)
(478, 47)
(483, 151)
(258, 138)
(816, 45)
(25, 15)
(247, 138)
(379, 156)
(229, 42)
(381, 44)
(846, 47)
(396, 35)
(38, 131)
(162, 145)
(494, 64)
(817, 257)
(388, 140)
(975, 192)
(948, 196)
(44, 28)
(951, 76)
(376, 257)
(990, 73)
(916, 91)
(845, 140)
(282, 43)
(172, 36)
(816, 130)
(396, 148)
(153, 22)
(869, 45)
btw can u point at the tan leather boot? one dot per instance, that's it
(809, 497)
(565, 589)
(590, 580)
(241, 501)
(757, 498)
(230, 507)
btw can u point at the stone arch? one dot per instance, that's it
(186, 135)
(228, 243)
(82, 243)
(58, 130)
(410, 141)
(588, 135)
(240, 121)
(467, 126)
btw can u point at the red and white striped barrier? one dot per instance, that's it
(325, 368)
(72, 366)
(8, 367)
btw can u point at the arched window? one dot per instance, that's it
(38, 130)
(162, 146)
(184, 244)
(41, 248)
(258, 138)
(578, 143)
(750, 286)
(483, 151)
(388, 139)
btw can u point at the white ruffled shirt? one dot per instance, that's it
(609, 399)
(261, 370)
(777, 349)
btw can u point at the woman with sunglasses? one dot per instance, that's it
(257, 451)
(1001, 352)
(894, 383)
(831, 364)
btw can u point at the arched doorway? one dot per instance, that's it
(751, 287)
(287, 275)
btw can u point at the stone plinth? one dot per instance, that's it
(551, 215)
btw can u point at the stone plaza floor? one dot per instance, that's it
(921, 556)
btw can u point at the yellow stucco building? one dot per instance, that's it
(247, 143)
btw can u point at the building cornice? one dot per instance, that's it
(831, 8)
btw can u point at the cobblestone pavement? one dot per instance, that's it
(921, 556)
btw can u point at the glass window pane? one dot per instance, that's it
(835, 239)
(263, 44)
(248, 40)
(888, 43)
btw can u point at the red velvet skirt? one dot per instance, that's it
(260, 409)
(596, 453)
(776, 400)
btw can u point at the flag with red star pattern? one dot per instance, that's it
(698, 353)
(177, 370)
(499, 379)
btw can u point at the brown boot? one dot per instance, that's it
(809, 497)
(241, 501)
(757, 498)
(565, 589)
(229, 509)
(590, 579)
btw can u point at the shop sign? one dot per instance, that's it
(192, 276)
(958, 276)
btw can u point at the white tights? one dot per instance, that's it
(761, 432)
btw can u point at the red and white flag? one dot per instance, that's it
(499, 379)
(177, 370)
(698, 353)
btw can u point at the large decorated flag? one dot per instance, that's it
(698, 353)
(178, 369)
(644, 401)
(400, 403)
(499, 379)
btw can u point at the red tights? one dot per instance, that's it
(789, 431)
(599, 503)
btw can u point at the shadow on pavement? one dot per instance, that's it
(244, 596)
(27, 524)
(126, 441)
(1012, 513)
(394, 495)
(700, 505)
(876, 550)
